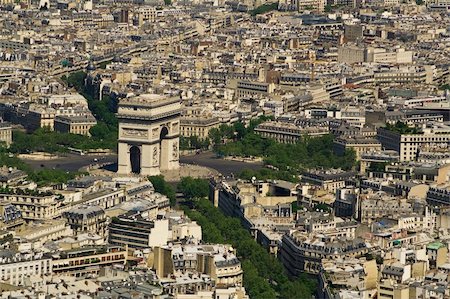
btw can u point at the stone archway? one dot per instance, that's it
(135, 159)
(164, 148)
(149, 128)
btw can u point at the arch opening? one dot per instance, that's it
(135, 159)
(164, 148)
(164, 133)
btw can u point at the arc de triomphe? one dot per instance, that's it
(149, 127)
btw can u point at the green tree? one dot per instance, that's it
(295, 207)
(402, 128)
(51, 176)
(75, 80)
(379, 259)
(264, 275)
(193, 188)
(100, 131)
(49, 141)
(104, 64)
(289, 159)
(226, 131)
(104, 110)
(377, 166)
(240, 130)
(264, 8)
(8, 238)
(184, 143)
(215, 136)
(161, 186)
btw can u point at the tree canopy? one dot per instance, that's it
(41, 177)
(194, 143)
(283, 161)
(262, 9)
(193, 188)
(289, 160)
(161, 186)
(106, 129)
(45, 140)
(264, 275)
(402, 128)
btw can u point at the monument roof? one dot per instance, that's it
(150, 100)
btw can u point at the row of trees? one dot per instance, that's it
(403, 128)
(262, 9)
(237, 131)
(288, 160)
(48, 141)
(264, 275)
(285, 161)
(220, 135)
(193, 188)
(161, 186)
(52, 176)
(42, 177)
(194, 143)
(106, 131)
(190, 187)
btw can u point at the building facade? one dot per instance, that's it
(408, 145)
(86, 219)
(80, 125)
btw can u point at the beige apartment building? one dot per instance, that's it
(217, 261)
(352, 53)
(147, 14)
(36, 206)
(198, 125)
(15, 271)
(359, 145)
(315, 5)
(86, 219)
(379, 206)
(391, 289)
(44, 231)
(408, 145)
(6, 133)
(80, 124)
(250, 89)
(302, 252)
(288, 132)
(85, 261)
(40, 118)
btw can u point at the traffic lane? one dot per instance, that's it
(71, 162)
(225, 167)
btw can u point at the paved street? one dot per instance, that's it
(71, 162)
(225, 167)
